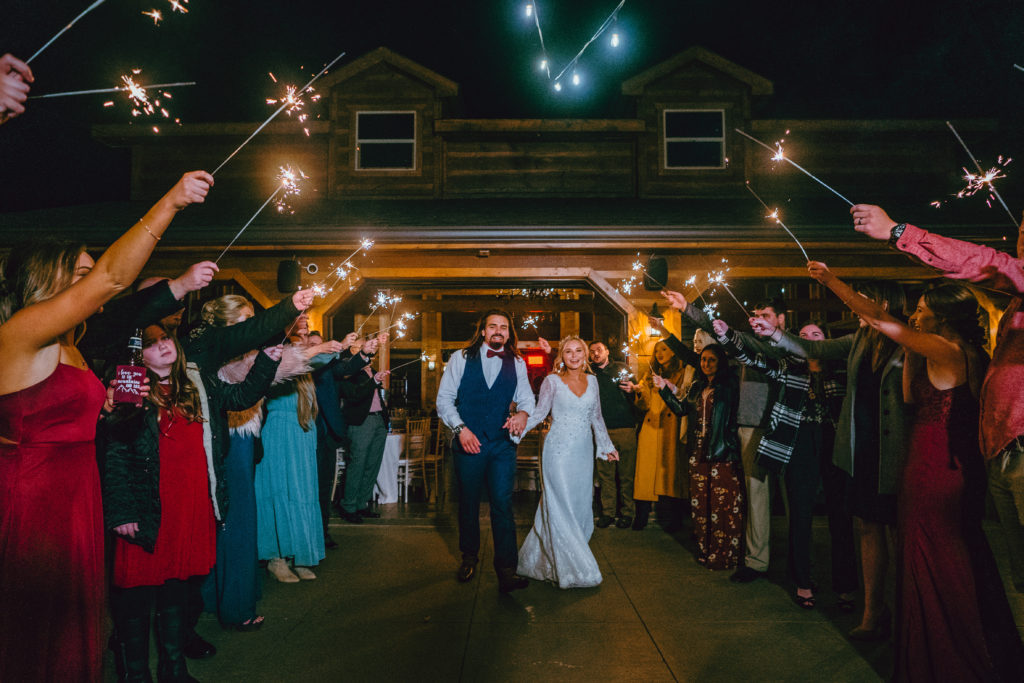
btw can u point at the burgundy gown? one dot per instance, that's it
(954, 622)
(51, 530)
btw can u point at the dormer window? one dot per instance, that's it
(693, 138)
(385, 140)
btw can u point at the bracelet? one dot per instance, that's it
(151, 233)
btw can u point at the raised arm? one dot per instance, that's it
(931, 346)
(38, 325)
(734, 345)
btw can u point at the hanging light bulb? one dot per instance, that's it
(558, 87)
(575, 78)
(529, 9)
(615, 39)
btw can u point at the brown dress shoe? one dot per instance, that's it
(467, 570)
(509, 581)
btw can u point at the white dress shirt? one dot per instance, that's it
(452, 377)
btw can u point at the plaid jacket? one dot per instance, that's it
(792, 379)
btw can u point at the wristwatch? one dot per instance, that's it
(896, 233)
(459, 428)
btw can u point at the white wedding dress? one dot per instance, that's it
(557, 548)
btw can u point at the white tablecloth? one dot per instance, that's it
(386, 490)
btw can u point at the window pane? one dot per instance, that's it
(386, 126)
(693, 124)
(386, 155)
(693, 154)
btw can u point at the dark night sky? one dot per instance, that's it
(839, 59)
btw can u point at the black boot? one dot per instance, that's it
(509, 581)
(170, 637)
(131, 650)
(643, 512)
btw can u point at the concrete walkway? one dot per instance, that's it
(386, 607)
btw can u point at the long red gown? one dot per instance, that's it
(51, 530)
(954, 622)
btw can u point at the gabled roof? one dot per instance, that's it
(444, 86)
(758, 84)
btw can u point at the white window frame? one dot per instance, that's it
(666, 139)
(395, 141)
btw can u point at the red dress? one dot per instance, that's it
(186, 544)
(954, 622)
(51, 530)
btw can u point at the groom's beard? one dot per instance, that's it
(496, 345)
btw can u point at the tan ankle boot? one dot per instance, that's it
(305, 573)
(278, 568)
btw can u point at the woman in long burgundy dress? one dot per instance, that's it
(51, 533)
(953, 622)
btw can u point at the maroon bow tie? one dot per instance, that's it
(491, 353)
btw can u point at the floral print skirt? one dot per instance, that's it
(718, 505)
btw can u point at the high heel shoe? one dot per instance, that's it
(881, 631)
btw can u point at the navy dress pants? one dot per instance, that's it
(494, 467)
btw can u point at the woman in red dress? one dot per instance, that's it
(163, 493)
(51, 533)
(953, 621)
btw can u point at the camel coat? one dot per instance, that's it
(660, 470)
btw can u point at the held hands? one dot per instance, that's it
(195, 278)
(820, 272)
(302, 299)
(516, 423)
(675, 299)
(872, 221)
(468, 441)
(720, 327)
(15, 75)
(613, 456)
(129, 529)
(544, 345)
(274, 352)
(191, 189)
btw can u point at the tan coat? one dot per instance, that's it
(659, 471)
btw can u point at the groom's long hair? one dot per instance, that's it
(472, 349)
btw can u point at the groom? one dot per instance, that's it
(479, 385)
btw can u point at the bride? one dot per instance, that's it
(557, 548)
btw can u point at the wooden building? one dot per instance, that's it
(541, 216)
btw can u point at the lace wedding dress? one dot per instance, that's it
(557, 548)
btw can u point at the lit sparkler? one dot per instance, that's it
(530, 322)
(778, 154)
(155, 15)
(288, 179)
(718, 278)
(983, 179)
(345, 268)
(61, 32)
(421, 359)
(120, 88)
(284, 105)
(774, 215)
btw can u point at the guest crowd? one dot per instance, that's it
(227, 459)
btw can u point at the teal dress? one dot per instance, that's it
(288, 522)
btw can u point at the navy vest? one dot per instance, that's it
(483, 409)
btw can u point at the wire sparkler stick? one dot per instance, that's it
(247, 224)
(1018, 67)
(423, 357)
(779, 156)
(774, 215)
(117, 89)
(289, 179)
(405, 317)
(287, 103)
(981, 173)
(61, 32)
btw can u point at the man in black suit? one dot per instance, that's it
(366, 413)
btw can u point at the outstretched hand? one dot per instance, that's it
(274, 353)
(872, 221)
(761, 327)
(720, 327)
(195, 278)
(658, 324)
(544, 345)
(191, 189)
(675, 299)
(303, 299)
(15, 75)
(820, 272)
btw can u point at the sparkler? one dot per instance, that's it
(779, 155)
(982, 179)
(382, 299)
(61, 32)
(422, 358)
(285, 104)
(120, 88)
(403, 320)
(342, 271)
(1018, 67)
(718, 278)
(288, 185)
(774, 215)
(155, 15)
(530, 321)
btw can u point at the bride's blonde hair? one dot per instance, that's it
(560, 368)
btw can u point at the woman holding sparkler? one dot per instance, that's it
(557, 549)
(657, 458)
(51, 525)
(954, 622)
(717, 499)
(15, 75)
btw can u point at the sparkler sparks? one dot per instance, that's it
(120, 88)
(778, 154)
(288, 183)
(529, 322)
(983, 179)
(155, 15)
(289, 178)
(774, 215)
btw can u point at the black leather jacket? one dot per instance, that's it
(724, 444)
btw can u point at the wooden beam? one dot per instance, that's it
(245, 283)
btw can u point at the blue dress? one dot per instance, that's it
(288, 521)
(234, 586)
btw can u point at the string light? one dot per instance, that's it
(532, 10)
